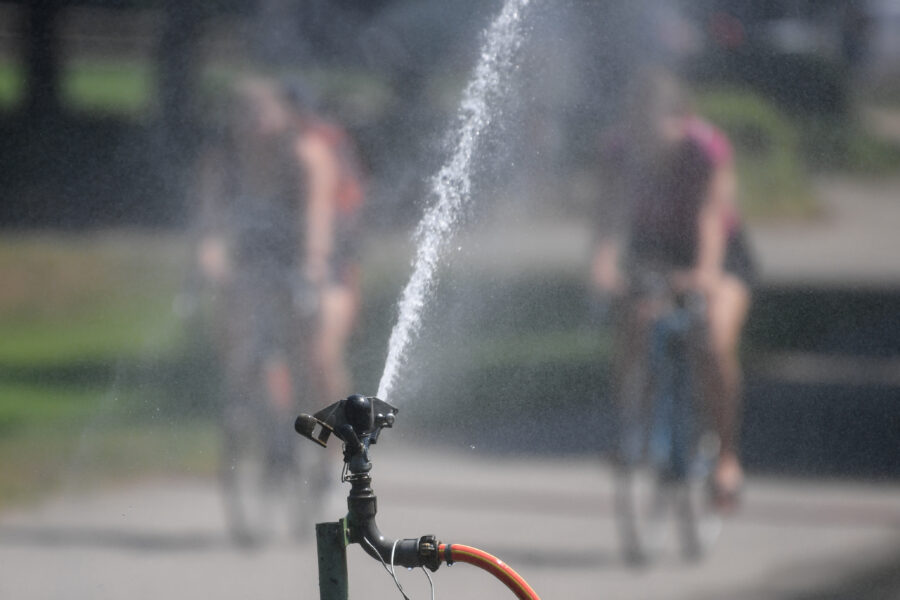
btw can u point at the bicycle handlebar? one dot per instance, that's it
(358, 421)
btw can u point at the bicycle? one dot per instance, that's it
(265, 477)
(667, 450)
(358, 421)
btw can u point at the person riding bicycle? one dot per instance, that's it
(335, 195)
(674, 174)
(279, 197)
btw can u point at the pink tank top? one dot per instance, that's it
(720, 153)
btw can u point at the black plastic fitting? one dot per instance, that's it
(362, 507)
(357, 422)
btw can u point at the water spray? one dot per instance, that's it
(358, 420)
(451, 185)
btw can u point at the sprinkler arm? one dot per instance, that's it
(356, 419)
(365, 416)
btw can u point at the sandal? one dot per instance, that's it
(725, 499)
(726, 491)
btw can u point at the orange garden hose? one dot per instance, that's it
(458, 553)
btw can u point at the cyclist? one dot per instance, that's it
(675, 174)
(335, 194)
(279, 193)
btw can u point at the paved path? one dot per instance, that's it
(854, 242)
(549, 518)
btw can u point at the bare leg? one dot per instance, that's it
(337, 316)
(728, 307)
(336, 321)
(279, 384)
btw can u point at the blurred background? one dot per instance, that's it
(109, 415)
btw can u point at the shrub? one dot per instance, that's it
(772, 179)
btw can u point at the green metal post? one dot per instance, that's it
(331, 542)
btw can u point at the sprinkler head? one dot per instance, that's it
(357, 421)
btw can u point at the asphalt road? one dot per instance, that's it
(548, 518)
(852, 243)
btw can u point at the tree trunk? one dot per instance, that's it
(42, 58)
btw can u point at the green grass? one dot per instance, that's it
(124, 87)
(96, 432)
(847, 145)
(776, 153)
(88, 298)
(29, 405)
(107, 86)
(96, 383)
(106, 334)
(12, 84)
(42, 460)
(54, 435)
(128, 87)
(87, 335)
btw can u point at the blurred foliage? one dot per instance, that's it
(92, 372)
(797, 109)
(99, 380)
(772, 178)
(802, 84)
(115, 87)
(122, 87)
(25, 406)
(82, 455)
(127, 88)
(12, 84)
(776, 152)
(87, 297)
(846, 145)
(354, 95)
(883, 91)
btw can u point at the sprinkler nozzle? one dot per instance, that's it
(357, 420)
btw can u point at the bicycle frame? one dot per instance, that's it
(357, 421)
(661, 432)
(672, 404)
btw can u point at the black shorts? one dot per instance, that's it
(739, 259)
(345, 257)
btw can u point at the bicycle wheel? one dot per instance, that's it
(694, 446)
(699, 520)
(245, 475)
(641, 504)
(272, 486)
(306, 490)
(641, 494)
